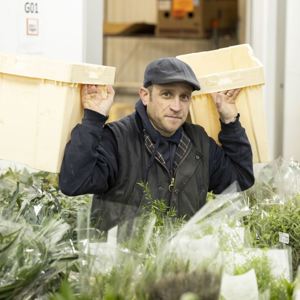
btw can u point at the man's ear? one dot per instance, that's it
(144, 95)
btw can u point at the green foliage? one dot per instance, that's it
(37, 223)
(158, 207)
(156, 223)
(262, 270)
(279, 289)
(66, 292)
(144, 270)
(266, 221)
(210, 196)
(33, 263)
(38, 247)
(31, 197)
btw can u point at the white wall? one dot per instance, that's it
(266, 35)
(275, 37)
(291, 141)
(67, 29)
(93, 29)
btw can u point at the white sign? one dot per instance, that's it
(284, 238)
(29, 17)
(32, 26)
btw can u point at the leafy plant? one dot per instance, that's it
(275, 207)
(266, 222)
(144, 269)
(39, 255)
(281, 289)
(262, 269)
(278, 289)
(37, 225)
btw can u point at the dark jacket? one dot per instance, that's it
(109, 161)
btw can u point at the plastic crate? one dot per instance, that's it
(230, 68)
(39, 106)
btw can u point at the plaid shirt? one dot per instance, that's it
(181, 151)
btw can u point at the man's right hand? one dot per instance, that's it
(98, 98)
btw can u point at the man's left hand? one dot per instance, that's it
(225, 104)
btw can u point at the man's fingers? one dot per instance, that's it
(84, 89)
(232, 93)
(110, 91)
(235, 93)
(92, 88)
(101, 90)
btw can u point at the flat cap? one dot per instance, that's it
(169, 70)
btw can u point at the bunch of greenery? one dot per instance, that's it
(297, 284)
(144, 269)
(266, 222)
(275, 207)
(278, 289)
(37, 225)
(38, 246)
(32, 259)
(31, 197)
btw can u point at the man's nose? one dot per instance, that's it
(175, 104)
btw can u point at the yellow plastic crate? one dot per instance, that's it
(39, 106)
(120, 110)
(230, 68)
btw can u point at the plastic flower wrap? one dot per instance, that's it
(296, 294)
(275, 208)
(212, 234)
(214, 228)
(164, 257)
(266, 262)
(276, 182)
(266, 271)
(161, 256)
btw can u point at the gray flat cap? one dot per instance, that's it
(169, 70)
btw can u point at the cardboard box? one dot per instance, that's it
(199, 22)
(224, 69)
(39, 106)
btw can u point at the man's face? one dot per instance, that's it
(167, 106)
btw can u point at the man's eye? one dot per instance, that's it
(166, 94)
(185, 98)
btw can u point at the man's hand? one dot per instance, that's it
(97, 98)
(225, 103)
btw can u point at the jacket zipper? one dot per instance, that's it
(172, 184)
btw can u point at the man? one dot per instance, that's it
(178, 160)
